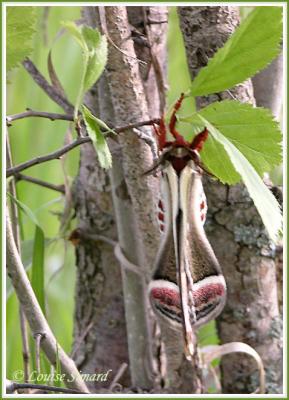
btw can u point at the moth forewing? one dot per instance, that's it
(171, 196)
(164, 288)
(185, 263)
(209, 287)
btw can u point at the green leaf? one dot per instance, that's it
(263, 198)
(94, 51)
(97, 138)
(26, 210)
(103, 125)
(21, 25)
(253, 131)
(97, 48)
(38, 273)
(254, 44)
(75, 32)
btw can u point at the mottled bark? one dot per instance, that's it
(149, 28)
(236, 231)
(132, 194)
(99, 307)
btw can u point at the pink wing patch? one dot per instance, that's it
(208, 298)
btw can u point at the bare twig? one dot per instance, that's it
(11, 387)
(156, 65)
(105, 31)
(69, 117)
(126, 264)
(57, 188)
(41, 114)
(38, 337)
(25, 344)
(16, 233)
(80, 339)
(48, 89)
(137, 125)
(48, 157)
(58, 153)
(35, 315)
(79, 234)
(118, 375)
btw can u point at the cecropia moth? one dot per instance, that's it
(188, 288)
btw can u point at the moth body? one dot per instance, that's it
(185, 251)
(187, 288)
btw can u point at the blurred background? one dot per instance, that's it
(31, 137)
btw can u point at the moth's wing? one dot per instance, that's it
(164, 291)
(185, 263)
(205, 282)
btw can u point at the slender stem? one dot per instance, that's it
(13, 386)
(48, 157)
(58, 153)
(16, 233)
(118, 375)
(81, 339)
(69, 117)
(41, 114)
(57, 188)
(48, 89)
(35, 315)
(136, 125)
(37, 337)
(25, 344)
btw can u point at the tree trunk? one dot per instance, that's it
(99, 305)
(236, 231)
(99, 286)
(179, 375)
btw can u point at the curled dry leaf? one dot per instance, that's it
(209, 353)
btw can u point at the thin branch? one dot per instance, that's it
(48, 89)
(58, 153)
(137, 125)
(25, 344)
(35, 316)
(156, 65)
(105, 31)
(126, 264)
(57, 188)
(16, 232)
(79, 235)
(41, 114)
(69, 117)
(118, 375)
(11, 387)
(38, 337)
(48, 157)
(81, 339)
